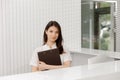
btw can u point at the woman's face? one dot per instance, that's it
(52, 34)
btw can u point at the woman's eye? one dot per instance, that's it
(57, 32)
(51, 31)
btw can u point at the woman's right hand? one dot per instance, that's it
(42, 66)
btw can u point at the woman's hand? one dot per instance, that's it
(42, 65)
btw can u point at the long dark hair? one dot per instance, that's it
(60, 38)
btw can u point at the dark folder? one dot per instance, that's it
(51, 57)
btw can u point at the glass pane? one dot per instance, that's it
(97, 23)
(85, 23)
(105, 27)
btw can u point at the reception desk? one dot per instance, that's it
(96, 52)
(99, 71)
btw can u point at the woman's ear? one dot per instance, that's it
(46, 32)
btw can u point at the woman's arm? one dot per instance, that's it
(34, 69)
(43, 65)
(65, 64)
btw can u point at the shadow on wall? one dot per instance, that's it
(80, 58)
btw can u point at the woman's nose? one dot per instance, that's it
(54, 34)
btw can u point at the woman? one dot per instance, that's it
(52, 39)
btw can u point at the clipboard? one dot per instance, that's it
(51, 57)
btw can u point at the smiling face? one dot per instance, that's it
(52, 34)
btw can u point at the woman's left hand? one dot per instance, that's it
(42, 65)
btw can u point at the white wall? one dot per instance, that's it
(21, 29)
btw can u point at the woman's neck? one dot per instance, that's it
(50, 44)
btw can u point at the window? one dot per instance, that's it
(98, 23)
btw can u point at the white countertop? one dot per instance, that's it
(98, 52)
(72, 73)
